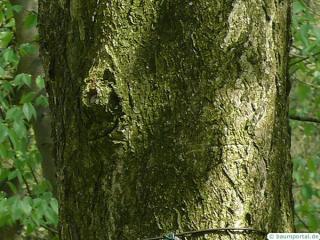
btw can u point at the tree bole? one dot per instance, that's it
(169, 116)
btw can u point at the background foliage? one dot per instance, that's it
(305, 101)
(26, 201)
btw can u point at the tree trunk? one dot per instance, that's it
(169, 116)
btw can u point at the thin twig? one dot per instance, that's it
(27, 185)
(304, 118)
(33, 174)
(296, 47)
(6, 77)
(303, 223)
(310, 8)
(52, 230)
(305, 58)
(309, 84)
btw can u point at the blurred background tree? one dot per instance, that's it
(28, 209)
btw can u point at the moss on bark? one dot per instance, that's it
(169, 115)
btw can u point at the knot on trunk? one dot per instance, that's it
(101, 103)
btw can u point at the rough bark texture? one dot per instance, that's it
(169, 115)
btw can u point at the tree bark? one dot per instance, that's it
(169, 116)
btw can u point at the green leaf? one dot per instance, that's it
(306, 191)
(11, 23)
(40, 82)
(16, 211)
(312, 165)
(13, 138)
(29, 111)
(17, 8)
(5, 39)
(6, 87)
(309, 129)
(27, 49)
(298, 7)
(3, 132)
(22, 79)
(2, 72)
(51, 216)
(31, 225)
(3, 174)
(4, 151)
(14, 113)
(10, 56)
(26, 111)
(12, 174)
(8, 10)
(31, 20)
(12, 187)
(54, 205)
(314, 222)
(4, 213)
(2, 19)
(41, 101)
(20, 129)
(303, 92)
(25, 205)
(41, 187)
(28, 97)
